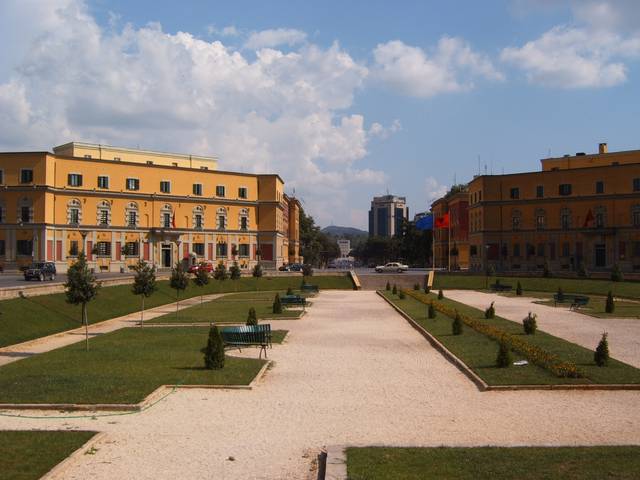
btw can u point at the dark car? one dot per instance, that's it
(284, 268)
(295, 267)
(41, 271)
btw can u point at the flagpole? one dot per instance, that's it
(449, 243)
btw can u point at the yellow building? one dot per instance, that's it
(579, 210)
(121, 205)
(451, 244)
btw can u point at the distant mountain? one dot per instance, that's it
(336, 231)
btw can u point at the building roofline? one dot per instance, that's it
(134, 150)
(591, 155)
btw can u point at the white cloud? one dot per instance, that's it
(433, 190)
(270, 112)
(377, 130)
(592, 52)
(228, 31)
(275, 37)
(452, 66)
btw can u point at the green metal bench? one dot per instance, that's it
(500, 287)
(248, 336)
(286, 300)
(576, 301)
(310, 288)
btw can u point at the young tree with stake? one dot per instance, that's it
(81, 287)
(179, 281)
(144, 283)
(202, 278)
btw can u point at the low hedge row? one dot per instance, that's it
(533, 353)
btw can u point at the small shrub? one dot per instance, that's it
(503, 360)
(601, 355)
(616, 274)
(456, 326)
(257, 271)
(401, 294)
(277, 306)
(416, 287)
(582, 270)
(560, 294)
(519, 289)
(431, 311)
(214, 351)
(234, 271)
(289, 291)
(490, 271)
(529, 323)
(610, 305)
(427, 289)
(252, 318)
(307, 271)
(220, 273)
(546, 272)
(394, 290)
(440, 294)
(388, 287)
(490, 312)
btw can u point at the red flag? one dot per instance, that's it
(588, 220)
(173, 220)
(442, 222)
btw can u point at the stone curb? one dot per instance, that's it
(483, 386)
(336, 462)
(154, 396)
(60, 468)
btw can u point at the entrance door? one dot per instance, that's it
(601, 255)
(166, 256)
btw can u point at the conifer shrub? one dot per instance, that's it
(214, 351)
(427, 289)
(289, 291)
(252, 318)
(490, 312)
(440, 294)
(431, 311)
(394, 290)
(401, 294)
(277, 306)
(616, 274)
(456, 326)
(257, 271)
(519, 289)
(220, 273)
(416, 287)
(387, 287)
(610, 305)
(560, 295)
(582, 270)
(601, 355)
(530, 324)
(503, 360)
(234, 271)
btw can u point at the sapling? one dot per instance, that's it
(252, 318)
(456, 326)
(529, 323)
(519, 289)
(431, 313)
(440, 294)
(395, 289)
(387, 287)
(503, 360)
(610, 305)
(277, 306)
(490, 312)
(214, 351)
(601, 355)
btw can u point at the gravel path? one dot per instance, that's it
(16, 352)
(624, 333)
(352, 371)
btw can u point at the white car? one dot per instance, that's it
(392, 267)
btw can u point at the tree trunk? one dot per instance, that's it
(142, 312)
(177, 303)
(86, 326)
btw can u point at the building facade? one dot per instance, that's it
(387, 214)
(344, 244)
(121, 205)
(451, 244)
(579, 210)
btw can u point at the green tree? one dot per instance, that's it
(144, 283)
(431, 312)
(252, 318)
(220, 273)
(201, 278)
(387, 286)
(490, 312)
(616, 274)
(503, 360)
(234, 274)
(519, 289)
(530, 324)
(316, 247)
(81, 287)
(257, 271)
(440, 294)
(214, 351)
(456, 326)
(277, 306)
(610, 304)
(394, 290)
(601, 355)
(179, 281)
(401, 294)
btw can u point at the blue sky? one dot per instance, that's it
(345, 100)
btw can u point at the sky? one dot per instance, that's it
(345, 100)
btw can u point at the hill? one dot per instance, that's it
(336, 231)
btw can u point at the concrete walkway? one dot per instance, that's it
(352, 371)
(16, 352)
(624, 333)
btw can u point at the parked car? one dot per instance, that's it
(41, 271)
(208, 267)
(284, 268)
(295, 267)
(392, 267)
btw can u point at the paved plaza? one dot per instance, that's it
(353, 372)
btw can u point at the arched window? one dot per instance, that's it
(198, 218)
(516, 220)
(25, 210)
(74, 212)
(104, 213)
(635, 216)
(565, 219)
(166, 216)
(221, 218)
(132, 218)
(601, 217)
(541, 219)
(243, 219)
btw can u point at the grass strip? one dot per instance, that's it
(28, 455)
(23, 319)
(515, 463)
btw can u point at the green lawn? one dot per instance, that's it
(34, 317)
(28, 455)
(120, 367)
(539, 284)
(520, 463)
(479, 351)
(232, 308)
(596, 307)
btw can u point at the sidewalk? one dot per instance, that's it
(16, 352)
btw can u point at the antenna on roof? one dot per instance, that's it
(479, 166)
(549, 154)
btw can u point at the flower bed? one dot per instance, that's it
(533, 353)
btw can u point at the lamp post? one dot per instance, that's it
(178, 242)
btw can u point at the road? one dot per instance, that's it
(8, 280)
